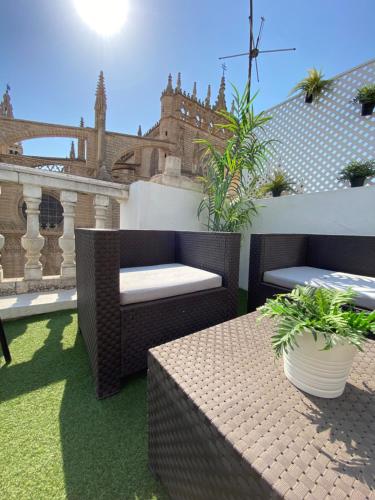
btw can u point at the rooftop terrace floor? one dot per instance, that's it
(57, 440)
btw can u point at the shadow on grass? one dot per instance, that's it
(47, 365)
(103, 443)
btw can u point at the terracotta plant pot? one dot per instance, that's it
(318, 372)
(309, 98)
(367, 108)
(357, 181)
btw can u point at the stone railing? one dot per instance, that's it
(32, 181)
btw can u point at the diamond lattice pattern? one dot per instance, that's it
(317, 140)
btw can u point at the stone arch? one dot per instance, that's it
(13, 130)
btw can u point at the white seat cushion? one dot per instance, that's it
(141, 284)
(289, 277)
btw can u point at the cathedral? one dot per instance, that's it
(96, 152)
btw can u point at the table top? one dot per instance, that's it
(304, 446)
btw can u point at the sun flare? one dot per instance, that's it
(106, 17)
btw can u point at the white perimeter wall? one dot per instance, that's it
(346, 211)
(155, 206)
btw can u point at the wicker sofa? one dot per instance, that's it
(279, 261)
(118, 336)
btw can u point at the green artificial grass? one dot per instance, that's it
(56, 440)
(242, 302)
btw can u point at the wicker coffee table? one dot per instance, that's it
(225, 423)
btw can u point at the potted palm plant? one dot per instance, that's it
(231, 175)
(366, 96)
(357, 172)
(277, 183)
(313, 85)
(318, 333)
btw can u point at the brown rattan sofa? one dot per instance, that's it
(341, 255)
(118, 336)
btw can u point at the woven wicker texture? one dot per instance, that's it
(351, 254)
(135, 249)
(98, 261)
(225, 423)
(119, 337)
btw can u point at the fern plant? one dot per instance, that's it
(357, 169)
(229, 184)
(327, 312)
(277, 182)
(313, 85)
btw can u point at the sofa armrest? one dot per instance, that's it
(273, 251)
(98, 303)
(215, 252)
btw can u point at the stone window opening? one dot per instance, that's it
(51, 212)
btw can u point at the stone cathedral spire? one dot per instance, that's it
(100, 102)
(81, 143)
(178, 85)
(100, 114)
(207, 101)
(220, 101)
(194, 94)
(169, 88)
(6, 108)
(139, 133)
(72, 154)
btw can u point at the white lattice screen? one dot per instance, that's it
(317, 140)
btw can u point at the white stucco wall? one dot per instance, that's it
(346, 211)
(154, 206)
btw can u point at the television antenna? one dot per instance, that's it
(254, 49)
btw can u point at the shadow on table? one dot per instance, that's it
(357, 438)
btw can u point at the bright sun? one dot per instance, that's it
(106, 17)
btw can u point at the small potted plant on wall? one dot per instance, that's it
(313, 85)
(366, 97)
(277, 183)
(318, 334)
(357, 172)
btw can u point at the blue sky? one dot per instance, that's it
(51, 58)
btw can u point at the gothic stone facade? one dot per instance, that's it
(99, 153)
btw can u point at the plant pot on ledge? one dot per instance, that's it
(276, 192)
(357, 181)
(367, 108)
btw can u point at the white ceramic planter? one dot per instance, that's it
(317, 372)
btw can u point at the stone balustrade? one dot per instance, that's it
(69, 186)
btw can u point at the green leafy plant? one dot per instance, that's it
(327, 312)
(230, 179)
(357, 169)
(366, 94)
(276, 183)
(313, 85)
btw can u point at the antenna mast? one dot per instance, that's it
(250, 50)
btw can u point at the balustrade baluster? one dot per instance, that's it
(67, 240)
(32, 241)
(101, 204)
